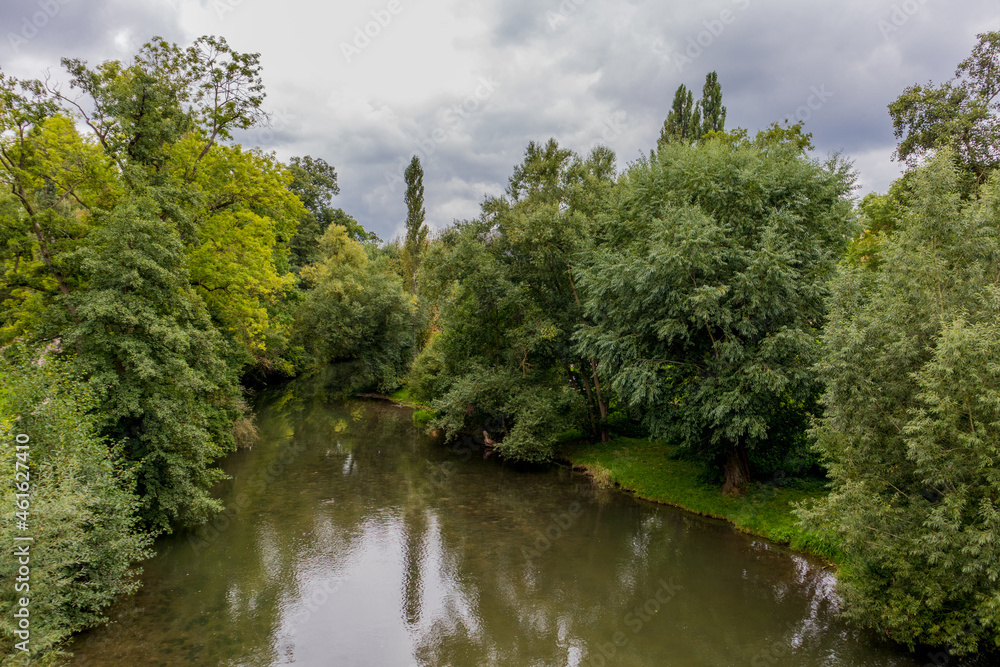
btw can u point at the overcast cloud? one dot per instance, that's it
(466, 84)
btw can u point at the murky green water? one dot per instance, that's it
(352, 539)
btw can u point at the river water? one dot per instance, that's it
(352, 539)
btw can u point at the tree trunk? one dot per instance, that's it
(605, 436)
(737, 472)
(590, 400)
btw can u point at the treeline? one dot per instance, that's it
(725, 293)
(728, 294)
(151, 269)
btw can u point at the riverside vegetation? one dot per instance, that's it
(719, 325)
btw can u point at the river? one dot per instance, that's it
(352, 539)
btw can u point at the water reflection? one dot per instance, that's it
(337, 551)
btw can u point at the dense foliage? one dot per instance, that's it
(357, 309)
(708, 295)
(722, 295)
(913, 449)
(503, 361)
(81, 503)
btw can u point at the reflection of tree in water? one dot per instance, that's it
(470, 592)
(487, 575)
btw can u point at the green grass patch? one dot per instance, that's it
(651, 470)
(422, 417)
(401, 395)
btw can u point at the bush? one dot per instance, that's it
(82, 513)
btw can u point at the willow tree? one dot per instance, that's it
(911, 433)
(706, 300)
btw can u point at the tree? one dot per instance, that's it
(358, 309)
(706, 300)
(314, 181)
(911, 433)
(243, 217)
(961, 114)
(138, 109)
(416, 230)
(689, 120)
(712, 112)
(82, 503)
(145, 341)
(505, 287)
(684, 120)
(54, 177)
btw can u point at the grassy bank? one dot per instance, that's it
(647, 469)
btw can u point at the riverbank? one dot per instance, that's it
(649, 470)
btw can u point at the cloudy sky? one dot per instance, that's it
(466, 84)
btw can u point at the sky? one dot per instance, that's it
(466, 84)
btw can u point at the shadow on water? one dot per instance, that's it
(351, 538)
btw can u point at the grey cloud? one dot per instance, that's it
(40, 32)
(614, 59)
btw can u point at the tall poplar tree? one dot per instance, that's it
(689, 120)
(713, 114)
(416, 230)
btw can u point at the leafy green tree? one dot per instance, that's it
(54, 177)
(243, 216)
(689, 120)
(504, 283)
(706, 300)
(145, 340)
(911, 433)
(82, 505)
(961, 114)
(138, 109)
(416, 231)
(357, 309)
(713, 114)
